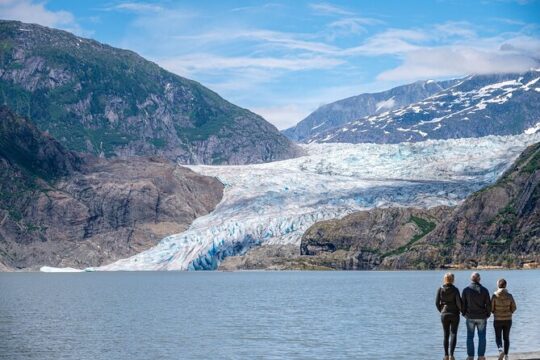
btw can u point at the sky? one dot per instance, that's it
(284, 59)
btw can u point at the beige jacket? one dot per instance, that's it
(503, 305)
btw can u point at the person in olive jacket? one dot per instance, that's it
(448, 302)
(502, 306)
(476, 309)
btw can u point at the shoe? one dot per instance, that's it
(506, 357)
(501, 354)
(470, 358)
(481, 358)
(452, 357)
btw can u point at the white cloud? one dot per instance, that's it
(136, 7)
(456, 61)
(284, 116)
(266, 37)
(329, 9)
(200, 62)
(352, 25)
(36, 13)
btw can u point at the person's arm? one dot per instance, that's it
(438, 300)
(493, 303)
(464, 302)
(488, 303)
(513, 306)
(458, 301)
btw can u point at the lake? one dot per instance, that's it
(242, 315)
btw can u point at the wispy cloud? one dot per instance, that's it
(197, 62)
(329, 9)
(36, 13)
(135, 7)
(456, 61)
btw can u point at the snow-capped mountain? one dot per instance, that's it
(476, 106)
(340, 112)
(276, 202)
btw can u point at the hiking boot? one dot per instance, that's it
(501, 354)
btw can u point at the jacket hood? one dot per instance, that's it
(502, 293)
(476, 287)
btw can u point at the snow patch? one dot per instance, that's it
(533, 129)
(385, 104)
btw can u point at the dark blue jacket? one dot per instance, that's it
(476, 302)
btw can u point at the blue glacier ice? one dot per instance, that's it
(274, 203)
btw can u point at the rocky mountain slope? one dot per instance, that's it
(58, 208)
(478, 105)
(499, 225)
(106, 101)
(496, 226)
(343, 111)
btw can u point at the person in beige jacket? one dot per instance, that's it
(502, 307)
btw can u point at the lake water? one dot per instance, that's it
(241, 315)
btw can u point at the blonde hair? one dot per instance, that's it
(449, 278)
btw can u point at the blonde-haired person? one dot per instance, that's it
(502, 306)
(448, 302)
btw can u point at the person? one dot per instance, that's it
(448, 303)
(476, 308)
(502, 306)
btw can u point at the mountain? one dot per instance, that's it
(496, 226)
(343, 111)
(479, 105)
(98, 99)
(59, 208)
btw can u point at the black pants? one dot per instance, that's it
(502, 329)
(450, 323)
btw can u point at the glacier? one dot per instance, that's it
(274, 203)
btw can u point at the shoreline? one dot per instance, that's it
(72, 271)
(534, 355)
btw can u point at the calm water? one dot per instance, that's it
(247, 315)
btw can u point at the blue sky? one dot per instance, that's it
(283, 59)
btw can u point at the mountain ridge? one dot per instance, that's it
(476, 106)
(354, 107)
(59, 208)
(106, 101)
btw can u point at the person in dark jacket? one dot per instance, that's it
(502, 306)
(476, 309)
(448, 302)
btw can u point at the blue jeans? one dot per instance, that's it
(480, 324)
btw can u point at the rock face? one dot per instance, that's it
(360, 241)
(60, 209)
(343, 111)
(101, 100)
(480, 105)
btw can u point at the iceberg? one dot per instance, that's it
(274, 203)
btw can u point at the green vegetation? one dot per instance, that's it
(533, 164)
(425, 227)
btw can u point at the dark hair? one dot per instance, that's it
(501, 283)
